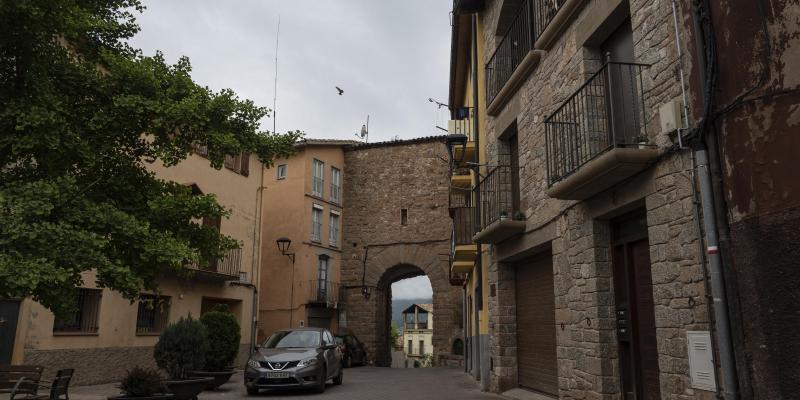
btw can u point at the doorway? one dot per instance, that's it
(635, 311)
(9, 315)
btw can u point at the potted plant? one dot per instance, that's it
(142, 384)
(181, 348)
(224, 336)
(503, 215)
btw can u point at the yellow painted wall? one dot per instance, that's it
(287, 213)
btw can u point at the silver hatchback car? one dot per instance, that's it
(295, 358)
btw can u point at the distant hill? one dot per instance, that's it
(398, 305)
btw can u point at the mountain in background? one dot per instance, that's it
(398, 305)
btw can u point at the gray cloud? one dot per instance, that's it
(388, 56)
(412, 288)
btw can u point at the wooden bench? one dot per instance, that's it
(23, 378)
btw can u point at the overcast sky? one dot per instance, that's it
(389, 57)
(412, 288)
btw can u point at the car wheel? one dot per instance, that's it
(337, 380)
(322, 379)
(252, 391)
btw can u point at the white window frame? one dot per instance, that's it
(316, 223)
(281, 171)
(317, 178)
(336, 185)
(333, 228)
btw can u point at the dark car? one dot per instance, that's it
(353, 351)
(295, 358)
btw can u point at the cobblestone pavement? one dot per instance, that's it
(359, 383)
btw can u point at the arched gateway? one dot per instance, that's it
(397, 227)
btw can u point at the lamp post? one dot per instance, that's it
(452, 141)
(283, 245)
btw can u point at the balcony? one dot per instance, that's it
(467, 6)
(323, 293)
(460, 179)
(597, 138)
(222, 270)
(535, 27)
(499, 206)
(462, 247)
(462, 125)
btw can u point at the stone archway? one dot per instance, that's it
(370, 319)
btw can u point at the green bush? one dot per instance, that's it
(224, 337)
(182, 348)
(142, 382)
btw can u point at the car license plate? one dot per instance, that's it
(276, 375)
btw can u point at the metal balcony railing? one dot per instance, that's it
(463, 225)
(543, 13)
(607, 111)
(462, 123)
(510, 52)
(497, 198)
(323, 292)
(228, 266)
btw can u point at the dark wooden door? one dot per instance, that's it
(636, 328)
(621, 85)
(537, 365)
(9, 314)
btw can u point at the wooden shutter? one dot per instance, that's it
(245, 169)
(537, 365)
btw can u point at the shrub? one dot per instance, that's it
(224, 337)
(142, 382)
(182, 347)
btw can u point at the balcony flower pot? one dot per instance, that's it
(218, 378)
(187, 389)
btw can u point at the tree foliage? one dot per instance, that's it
(182, 347)
(394, 337)
(81, 115)
(224, 336)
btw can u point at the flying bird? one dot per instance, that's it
(340, 90)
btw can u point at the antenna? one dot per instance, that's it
(364, 135)
(275, 86)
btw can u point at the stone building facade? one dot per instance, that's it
(396, 226)
(615, 224)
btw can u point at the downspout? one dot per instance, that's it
(255, 271)
(464, 320)
(712, 200)
(479, 263)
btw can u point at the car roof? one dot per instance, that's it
(304, 329)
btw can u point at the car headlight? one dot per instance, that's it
(307, 362)
(253, 363)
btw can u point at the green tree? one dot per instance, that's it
(81, 114)
(395, 336)
(224, 336)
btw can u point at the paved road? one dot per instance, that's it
(367, 383)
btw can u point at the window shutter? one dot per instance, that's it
(245, 164)
(701, 360)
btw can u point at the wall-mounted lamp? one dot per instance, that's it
(283, 245)
(452, 141)
(366, 291)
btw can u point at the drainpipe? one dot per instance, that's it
(255, 270)
(464, 321)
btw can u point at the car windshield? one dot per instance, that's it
(289, 339)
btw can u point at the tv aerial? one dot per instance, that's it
(364, 134)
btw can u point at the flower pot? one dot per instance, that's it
(158, 396)
(187, 389)
(219, 377)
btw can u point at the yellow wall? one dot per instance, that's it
(287, 212)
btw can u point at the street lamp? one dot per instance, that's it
(283, 245)
(366, 291)
(452, 141)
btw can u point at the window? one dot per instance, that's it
(336, 177)
(409, 321)
(85, 318)
(421, 347)
(316, 224)
(153, 314)
(322, 278)
(334, 228)
(281, 171)
(403, 216)
(317, 179)
(422, 320)
(239, 163)
(410, 346)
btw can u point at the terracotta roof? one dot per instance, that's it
(326, 142)
(401, 142)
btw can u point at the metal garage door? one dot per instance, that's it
(536, 335)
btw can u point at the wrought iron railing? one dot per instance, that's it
(543, 13)
(497, 198)
(229, 265)
(322, 291)
(462, 123)
(607, 111)
(463, 225)
(510, 52)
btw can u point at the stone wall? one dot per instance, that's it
(379, 181)
(578, 233)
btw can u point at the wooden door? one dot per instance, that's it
(9, 314)
(537, 365)
(636, 328)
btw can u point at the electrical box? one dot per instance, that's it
(701, 360)
(670, 116)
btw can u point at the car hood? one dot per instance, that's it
(274, 355)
